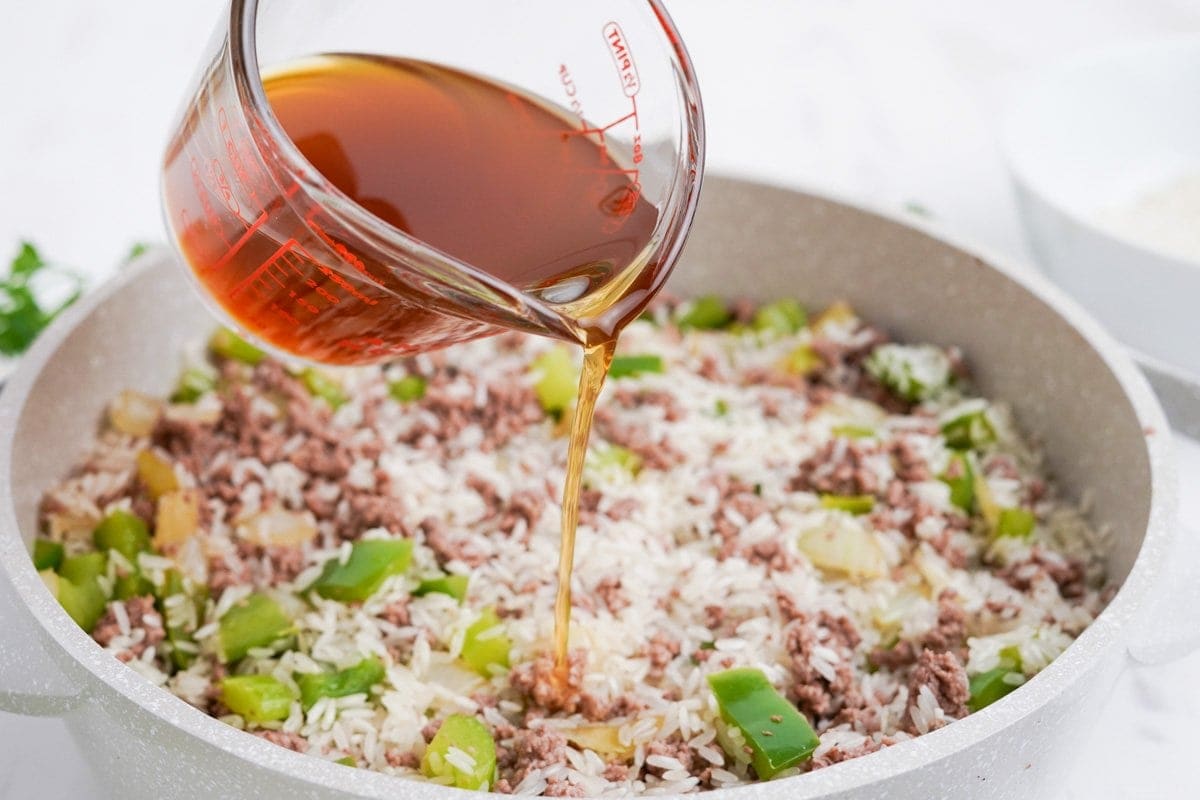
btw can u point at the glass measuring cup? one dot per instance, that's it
(286, 256)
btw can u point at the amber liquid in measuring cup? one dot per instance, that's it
(495, 178)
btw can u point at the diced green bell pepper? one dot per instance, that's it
(453, 585)
(970, 431)
(371, 562)
(86, 566)
(486, 646)
(609, 456)
(911, 372)
(47, 554)
(852, 431)
(255, 621)
(779, 736)
(988, 687)
(132, 585)
(960, 477)
(853, 504)
(472, 738)
(355, 680)
(407, 389)
(124, 532)
(1017, 523)
(346, 761)
(557, 379)
(706, 313)
(782, 317)
(721, 407)
(321, 385)
(192, 385)
(173, 584)
(802, 360)
(227, 344)
(84, 602)
(625, 366)
(257, 698)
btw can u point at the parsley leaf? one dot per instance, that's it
(22, 317)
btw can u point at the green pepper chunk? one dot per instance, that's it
(852, 431)
(84, 601)
(453, 585)
(970, 431)
(258, 698)
(179, 631)
(193, 384)
(706, 313)
(47, 554)
(227, 344)
(407, 389)
(802, 360)
(988, 687)
(1017, 523)
(474, 766)
(610, 456)
(87, 566)
(124, 532)
(355, 680)
(960, 477)
(721, 407)
(321, 385)
(255, 621)
(556, 381)
(778, 734)
(782, 317)
(346, 761)
(911, 372)
(485, 645)
(371, 562)
(132, 585)
(853, 504)
(626, 366)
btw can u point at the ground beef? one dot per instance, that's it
(145, 627)
(949, 633)
(397, 613)
(672, 748)
(838, 467)
(815, 694)
(539, 682)
(405, 759)
(449, 548)
(292, 741)
(900, 655)
(661, 650)
(373, 510)
(1068, 574)
(610, 593)
(654, 453)
(525, 506)
(943, 673)
(532, 749)
(836, 754)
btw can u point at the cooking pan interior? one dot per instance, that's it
(748, 240)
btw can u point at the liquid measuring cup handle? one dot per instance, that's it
(278, 250)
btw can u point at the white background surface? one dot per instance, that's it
(888, 102)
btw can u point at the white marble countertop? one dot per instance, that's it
(888, 101)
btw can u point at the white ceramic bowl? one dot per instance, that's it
(1070, 385)
(1097, 133)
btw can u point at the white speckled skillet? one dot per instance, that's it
(1071, 385)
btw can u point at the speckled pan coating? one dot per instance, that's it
(1069, 383)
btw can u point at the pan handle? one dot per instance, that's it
(1171, 627)
(30, 682)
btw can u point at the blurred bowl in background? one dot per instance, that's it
(1105, 155)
